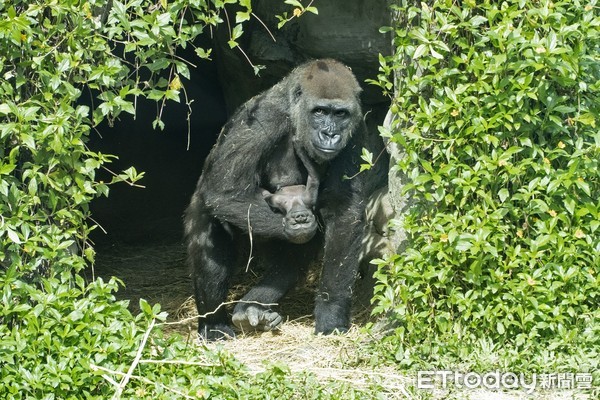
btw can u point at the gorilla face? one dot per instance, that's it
(327, 127)
(330, 127)
(325, 108)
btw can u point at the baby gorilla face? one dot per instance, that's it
(299, 221)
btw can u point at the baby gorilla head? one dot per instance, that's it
(295, 203)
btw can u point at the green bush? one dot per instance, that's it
(60, 336)
(496, 106)
(73, 340)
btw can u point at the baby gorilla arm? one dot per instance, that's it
(312, 182)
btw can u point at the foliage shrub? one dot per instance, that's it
(62, 337)
(496, 106)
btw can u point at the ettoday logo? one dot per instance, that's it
(497, 380)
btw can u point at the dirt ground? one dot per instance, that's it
(158, 274)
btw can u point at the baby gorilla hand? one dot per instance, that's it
(255, 317)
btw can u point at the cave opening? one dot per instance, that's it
(140, 238)
(171, 160)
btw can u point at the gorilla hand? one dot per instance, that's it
(255, 317)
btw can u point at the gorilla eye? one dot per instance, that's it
(319, 111)
(341, 113)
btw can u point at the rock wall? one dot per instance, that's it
(344, 30)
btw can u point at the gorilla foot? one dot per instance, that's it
(212, 332)
(254, 317)
(331, 330)
(332, 316)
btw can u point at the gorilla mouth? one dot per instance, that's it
(329, 150)
(301, 233)
(302, 225)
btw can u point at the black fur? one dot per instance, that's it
(254, 152)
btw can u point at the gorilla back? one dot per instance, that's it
(312, 113)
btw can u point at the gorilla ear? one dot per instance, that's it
(270, 199)
(266, 195)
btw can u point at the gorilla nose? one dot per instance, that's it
(329, 134)
(300, 217)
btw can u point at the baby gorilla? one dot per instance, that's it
(296, 203)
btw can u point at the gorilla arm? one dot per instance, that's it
(343, 215)
(231, 182)
(343, 231)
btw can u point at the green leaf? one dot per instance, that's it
(4, 109)
(242, 16)
(421, 50)
(237, 32)
(569, 204)
(478, 20)
(564, 109)
(463, 245)
(75, 315)
(503, 194)
(202, 53)
(146, 308)
(500, 328)
(12, 235)
(6, 169)
(586, 119)
(367, 156)
(28, 140)
(435, 54)
(294, 3)
(581, 184)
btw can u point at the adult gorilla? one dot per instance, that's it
(312, 116)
